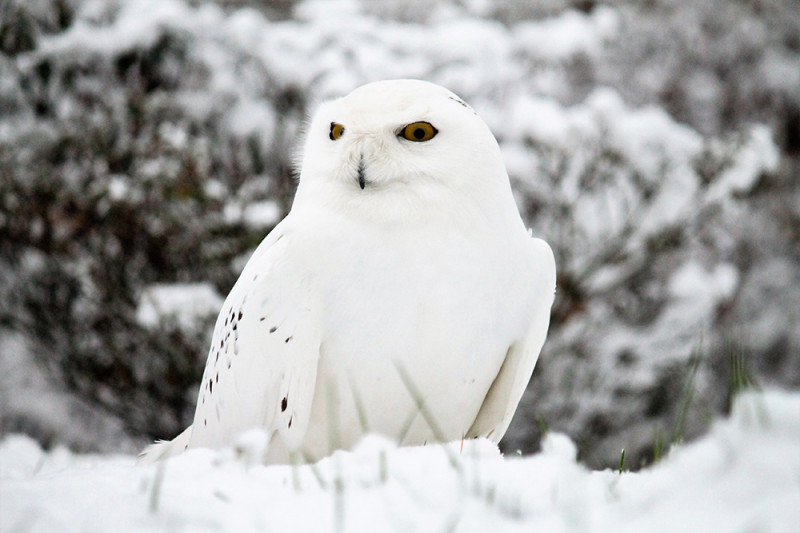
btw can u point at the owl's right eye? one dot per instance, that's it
(336, 131)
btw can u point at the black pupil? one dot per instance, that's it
(419, 133)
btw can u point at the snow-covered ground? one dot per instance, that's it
(744, 476)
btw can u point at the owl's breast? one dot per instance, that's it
(439, 306)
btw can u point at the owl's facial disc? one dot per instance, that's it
(416, 132)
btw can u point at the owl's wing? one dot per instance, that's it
(262, 365)
(506, 391)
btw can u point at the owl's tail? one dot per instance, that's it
(166, 448)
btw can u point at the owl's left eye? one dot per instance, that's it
(419, 132)
(336, 131)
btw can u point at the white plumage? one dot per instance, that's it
(401, 295)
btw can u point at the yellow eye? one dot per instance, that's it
(336, 131)
(419, 132)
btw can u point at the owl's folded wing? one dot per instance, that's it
(506, 391)
(262, 365)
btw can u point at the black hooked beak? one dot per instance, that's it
(362, 179)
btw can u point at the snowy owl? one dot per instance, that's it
(402, 294)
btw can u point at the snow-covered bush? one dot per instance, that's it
(635, 205)
(146, 147)
(120, 170)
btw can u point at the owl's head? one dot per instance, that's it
(401, 145)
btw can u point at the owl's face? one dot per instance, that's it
(400, 138)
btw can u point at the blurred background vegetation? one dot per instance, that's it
(147, 144)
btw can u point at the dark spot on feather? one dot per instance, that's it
(240, 315)
(205, 422)
(284, 404)
(290, 337)
(273, 329)
(462, 103)
(290, 420)
(216, 379)
(235, 326)
(210, 386)
(186, 447)
(262, 319)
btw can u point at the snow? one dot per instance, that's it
(27, 393)
(251, 118)
(188, 303)
(693, 283)
(757, 156)
(262, 215)
(569, 34)
(743, 476)
(118, 188)
(129, 29)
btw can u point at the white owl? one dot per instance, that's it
(402, 295)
